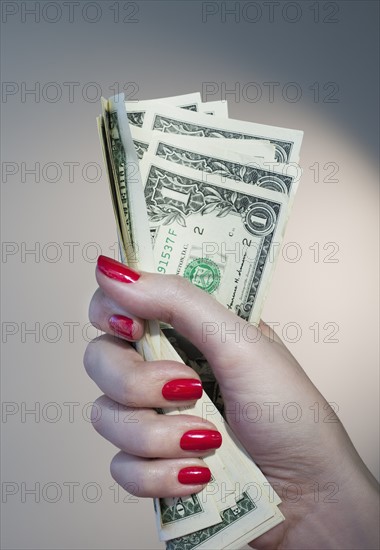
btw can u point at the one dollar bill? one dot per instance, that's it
(218, 234)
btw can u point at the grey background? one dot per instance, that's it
(169, 50)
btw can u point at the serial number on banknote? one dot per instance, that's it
(166, 252)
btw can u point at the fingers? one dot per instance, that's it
(145, 433)
(159, 478)
(109, 316)
(269, 333)
(161, 454)
(120, 372)
(193, 313)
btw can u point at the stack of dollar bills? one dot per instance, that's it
(201, 195)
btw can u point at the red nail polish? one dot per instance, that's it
(194, 475)
(117, 270)
(200, 440)
(182, 389)
(121, 325)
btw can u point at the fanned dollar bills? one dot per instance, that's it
(207, 197)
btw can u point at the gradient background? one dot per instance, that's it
(170, 50)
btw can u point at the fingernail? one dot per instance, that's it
(182, 389)
(194, 475)
(117, 270)
(200, 440)
(121, 325)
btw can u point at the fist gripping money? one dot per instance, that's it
(329, 499)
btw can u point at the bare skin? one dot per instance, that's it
(330, 499)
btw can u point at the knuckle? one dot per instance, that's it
(94, 307)
(146, 445)
(97, 413)
(88, 358)
(146, 442)
(176, 294)
(126, 391)
(130, 383)
(115, 466)
(91, 355)
(133, 488)
(125, 474)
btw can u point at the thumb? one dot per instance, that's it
(213, 329)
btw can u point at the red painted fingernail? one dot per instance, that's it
(182, 389)
(117, 270)
(194, 475)
(121, 325)
(200, 440)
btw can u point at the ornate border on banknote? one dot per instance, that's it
(244, 506)
(141, 148)
(232, 170)
(176, 126)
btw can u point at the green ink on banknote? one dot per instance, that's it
(203, 273)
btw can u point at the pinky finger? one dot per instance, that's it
(161, 478)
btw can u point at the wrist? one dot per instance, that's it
(342, 515)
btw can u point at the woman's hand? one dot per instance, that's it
(329, 497)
